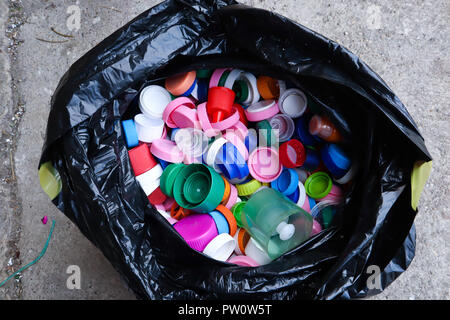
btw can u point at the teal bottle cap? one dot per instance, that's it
(199, 188)
(167, 179)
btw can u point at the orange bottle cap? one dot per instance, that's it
(178, 212)
(230, 218)
(180, 83)
(268, 87)
(227, 191)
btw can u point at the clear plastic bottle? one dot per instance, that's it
(276, 223)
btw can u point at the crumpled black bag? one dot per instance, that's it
(100, 194)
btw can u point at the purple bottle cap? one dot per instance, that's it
(197, 229)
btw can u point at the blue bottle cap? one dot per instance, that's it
(221, 222)
(202, 90)
(172, 134)
(163, 163)
(251, 140)
(231, 162)
(329, 162)
(339, 157)
(187, 93)
(131, 137)
(312, 202)
(294, 196)
(302, 132)
(287, 182)
(312, 160)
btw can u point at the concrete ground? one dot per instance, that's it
(405, 42)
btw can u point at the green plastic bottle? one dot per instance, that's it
(276, 223)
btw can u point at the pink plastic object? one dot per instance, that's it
(232, 198)
(171, 220)
(264, 164)
(306, 206)
(204, 121)
(44, 220)
(197, 229)
(316, 228)
(166, 150)
(185, 117)
(166, 205)
(227, 122)
(172, 106)
(215, 77)
(243, 261)
(334, 195)
(240, 129)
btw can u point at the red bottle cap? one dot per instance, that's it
(220, 103)
(141, 159)
(242, 117)
(157, 197)
(292, 153)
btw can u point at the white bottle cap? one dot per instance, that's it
(256, 252)
(149, 180)
(293, 103)
(148, 129)
(302, 194)
(153, 100)
(149, 187)
(221, 247)
(285, 230)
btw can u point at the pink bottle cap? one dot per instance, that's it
(243, 261)
(216, 75)
(172, 106)
(197, 229)
(232, 199)
(166, 150)
(166, 205)
(316, 227)
(262, 110)
(204, 121)
(185, 117)
(335, 194)
(306, 205)
(240, 129)
(171, 220)
(264, 164)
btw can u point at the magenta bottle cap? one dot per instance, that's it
(197, 229)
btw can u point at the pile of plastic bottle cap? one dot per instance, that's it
(241, 165)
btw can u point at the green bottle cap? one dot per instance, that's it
(237, 212)
(266, 134)
(196, 187)
(167, 179)
(223, 79)
(240, 87)
(199, 188)
(318, 185)
(204, 73)
(327, 216)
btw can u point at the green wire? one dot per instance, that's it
(35, 260)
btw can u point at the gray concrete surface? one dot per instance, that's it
(405, 42)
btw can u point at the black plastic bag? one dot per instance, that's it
(100, 194)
